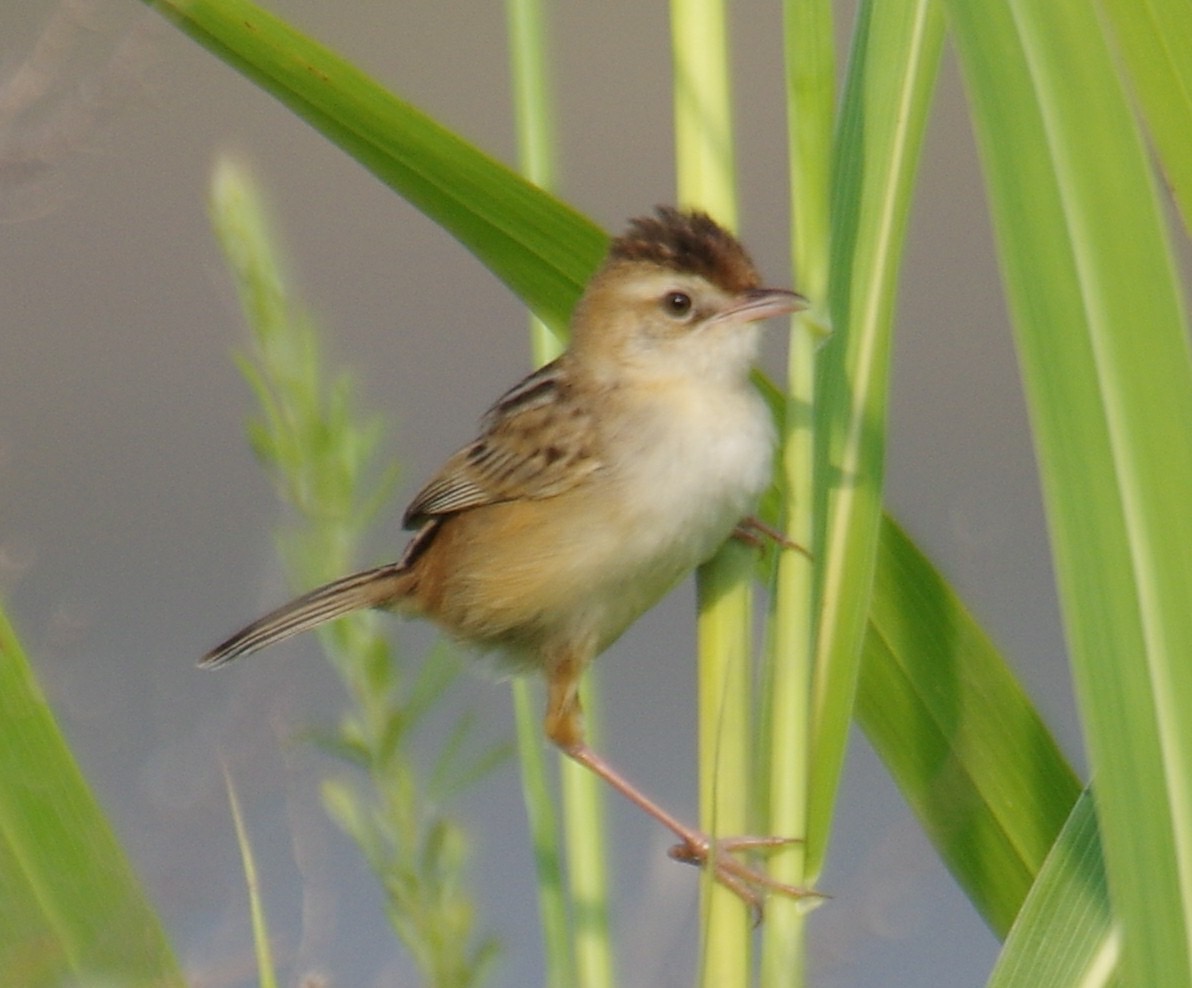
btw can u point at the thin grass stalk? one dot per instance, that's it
(810, 67)
(576, 942)
(810, 85)
(706, 177)
(554, 916)
(534, 119)
(583, 823)
(725, 685)
(266, 975)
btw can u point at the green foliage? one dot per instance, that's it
(1064, 933)
(70, 906)
(985, 776)
(319, 452)
(266, 972)
(1103, 345)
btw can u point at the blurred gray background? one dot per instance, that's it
(136, 530)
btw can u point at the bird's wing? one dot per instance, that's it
(536, 441)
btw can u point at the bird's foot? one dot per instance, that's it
(755, 532)
(750, 884)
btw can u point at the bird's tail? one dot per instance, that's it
(378, 587)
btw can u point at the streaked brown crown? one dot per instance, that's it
(690, 242)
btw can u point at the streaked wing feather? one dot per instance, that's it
(537, 442)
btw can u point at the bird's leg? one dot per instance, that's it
(564, 726)
(753, 531)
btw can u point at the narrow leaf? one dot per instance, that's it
(71, 909)
(1064, 934)
(888, 94)
(266, 974)
(959, 735)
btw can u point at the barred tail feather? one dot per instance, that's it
(371, 588)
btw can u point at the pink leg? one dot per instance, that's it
(564, 727)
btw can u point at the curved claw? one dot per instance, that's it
(756, 533)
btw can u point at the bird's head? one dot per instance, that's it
(677, 294)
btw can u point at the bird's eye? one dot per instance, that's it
(677, 304)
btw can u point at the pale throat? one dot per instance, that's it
(702, 454)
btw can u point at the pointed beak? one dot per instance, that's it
(762, 303)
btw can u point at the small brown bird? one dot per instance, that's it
(595, 486)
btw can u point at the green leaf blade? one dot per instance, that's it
(1155, 38)
(881, 126)
(959, 735)
(1104, 351)
(1064, 933)
(540, 247)
(69, 900)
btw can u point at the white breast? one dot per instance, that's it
(683, 463)
(697, 472)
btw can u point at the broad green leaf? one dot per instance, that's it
(1104, 352)
(71, 909)
(958, 734)
(540, 247)
(1155, 40)
(1063, 935)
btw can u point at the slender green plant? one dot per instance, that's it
(786, 683)
(320, 454)
(266, 972)
(706, 177)
(71, 908)
(576, 926)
